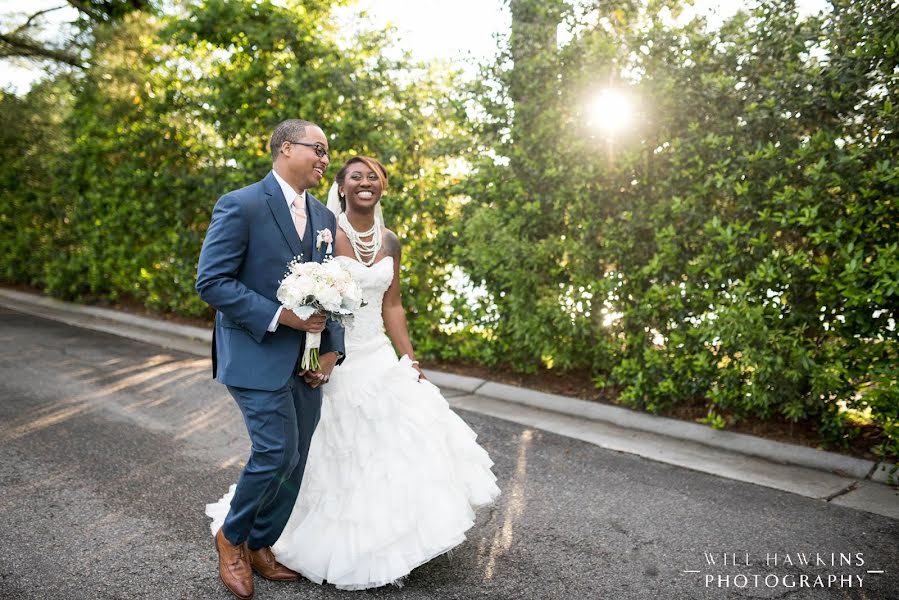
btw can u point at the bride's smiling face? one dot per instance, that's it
(362, 187)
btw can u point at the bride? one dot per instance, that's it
(393, 474)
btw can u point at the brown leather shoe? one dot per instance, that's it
(234, 567)
(264, 563)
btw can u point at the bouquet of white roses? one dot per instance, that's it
(310, 287)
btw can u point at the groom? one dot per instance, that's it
(254, 233)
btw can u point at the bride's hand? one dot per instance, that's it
(323, 373)
(421, 374)
(312, 378)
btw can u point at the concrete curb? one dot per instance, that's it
(778, 452)
(726, 440)
(154, 325)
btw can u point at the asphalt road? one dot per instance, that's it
(110, 448)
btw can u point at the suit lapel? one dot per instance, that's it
(278, 205)
(314, 223)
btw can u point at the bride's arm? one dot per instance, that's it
(392, 310)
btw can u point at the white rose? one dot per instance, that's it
(308, 268)
(329, 297)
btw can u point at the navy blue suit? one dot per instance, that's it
(250, 241)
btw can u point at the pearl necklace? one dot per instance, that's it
(362, 248)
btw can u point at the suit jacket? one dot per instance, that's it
(250, 240)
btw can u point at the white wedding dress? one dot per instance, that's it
(393, 474)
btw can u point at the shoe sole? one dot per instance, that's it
(297, 578)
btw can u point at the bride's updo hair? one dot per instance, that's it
(372, 163)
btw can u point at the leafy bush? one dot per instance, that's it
(737, 246)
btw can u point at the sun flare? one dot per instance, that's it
(611, 111)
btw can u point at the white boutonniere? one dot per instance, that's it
(324, 237)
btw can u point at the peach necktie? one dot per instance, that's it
(298, 212)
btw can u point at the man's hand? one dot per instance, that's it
(326, 364)
(314, 324)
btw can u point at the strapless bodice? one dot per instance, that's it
(368, 324)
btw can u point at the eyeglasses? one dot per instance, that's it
(317, 148)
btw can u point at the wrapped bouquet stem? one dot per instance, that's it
(327, 288)
(310, 351)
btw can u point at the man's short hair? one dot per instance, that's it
(291, 130)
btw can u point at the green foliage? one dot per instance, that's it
(744, 229)
(30, 37)
(178, 109)
(32, 144)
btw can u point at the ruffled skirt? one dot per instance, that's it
(392, 479)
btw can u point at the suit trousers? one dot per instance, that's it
(280, 424)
